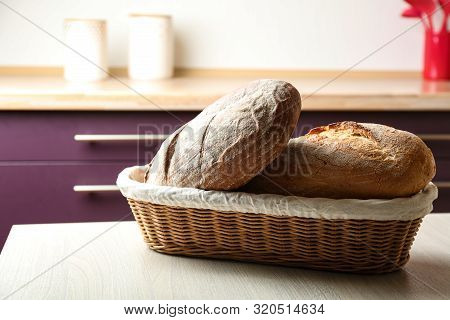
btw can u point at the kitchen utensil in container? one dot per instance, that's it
(426, 7)
(86, 57)
(150, 47)
(364, 236)
(435, 16)
(445, 5)
(411, 12)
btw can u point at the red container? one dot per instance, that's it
(437, 55)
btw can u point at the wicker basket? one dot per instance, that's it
(327, 242)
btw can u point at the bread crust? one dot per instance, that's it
(230, 141)
(349, 160)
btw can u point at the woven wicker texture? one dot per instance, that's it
(363, 246)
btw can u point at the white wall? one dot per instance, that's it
(265, 34)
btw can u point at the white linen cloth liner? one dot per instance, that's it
(408, 208)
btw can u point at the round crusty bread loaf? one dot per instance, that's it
(349, 160)
(230, 141)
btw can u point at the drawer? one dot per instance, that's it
(50, 196)
(442, 180)
(440, 148)
(417, 122)
(45, 194)
(433, 126)
(442, 170)
(442, 204)
(50, 135)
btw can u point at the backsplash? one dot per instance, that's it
(261, 34)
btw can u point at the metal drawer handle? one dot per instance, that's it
(434, 137)
(137, 137)
(118, 137)
(442, 184)
(95, 188)
(108, 188)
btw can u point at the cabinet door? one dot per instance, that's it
(26, 136)
(433, 127)
(45, 194)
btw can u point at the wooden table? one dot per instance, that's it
(110, 261)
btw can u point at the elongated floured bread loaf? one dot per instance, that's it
(349, 160)
(230, 141)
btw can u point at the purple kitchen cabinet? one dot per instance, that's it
(415, 122)
(47, 136)
(40, 159)
(44, 194)
(442, 204)
(442, 170)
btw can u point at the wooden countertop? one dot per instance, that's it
(110, 261)
(193, 93)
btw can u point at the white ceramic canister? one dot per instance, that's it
(150, 51)
(87, 37)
